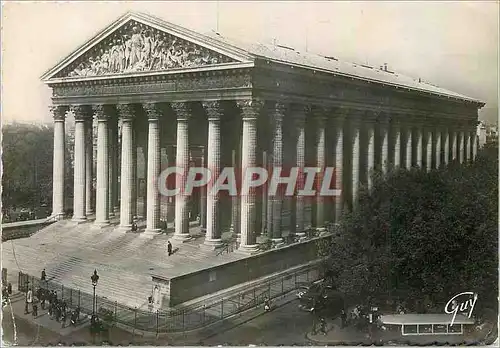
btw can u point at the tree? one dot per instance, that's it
(423, 235)
(27, 165)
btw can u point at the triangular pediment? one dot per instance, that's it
(139, 43)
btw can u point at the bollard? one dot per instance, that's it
(222, 308)
(62, 292)
(203, 314)
(115, 310)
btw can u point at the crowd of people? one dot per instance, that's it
(56, 307)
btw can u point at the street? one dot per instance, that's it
(286, 325)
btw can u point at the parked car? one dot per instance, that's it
(323, 299)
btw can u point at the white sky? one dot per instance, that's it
(451, 44)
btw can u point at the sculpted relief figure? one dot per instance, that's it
(142, 50)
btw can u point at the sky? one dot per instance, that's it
(453, 45)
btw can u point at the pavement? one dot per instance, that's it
(336, 335)
(285, 324)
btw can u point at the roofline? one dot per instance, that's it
(309, 67)
(184, 33)
(227, 48)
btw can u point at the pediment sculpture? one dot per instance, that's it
(137, 47)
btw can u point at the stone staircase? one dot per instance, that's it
(70, 252)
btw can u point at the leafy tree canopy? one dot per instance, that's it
(423, 235)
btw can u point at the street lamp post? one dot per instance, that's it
(95, 279)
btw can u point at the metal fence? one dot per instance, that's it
(175, 320)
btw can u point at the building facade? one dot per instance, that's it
(171, 96)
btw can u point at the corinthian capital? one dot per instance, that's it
(182, 110)
(82, 112)
(250, 108)
(104, 112)
(278, 111)
(213, 109)
(126, 111)
(59, 112)
(153, 111)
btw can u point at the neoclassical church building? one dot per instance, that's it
(160, 95)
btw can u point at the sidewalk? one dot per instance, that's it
(43, 318)
(118, 336)
(350, 336)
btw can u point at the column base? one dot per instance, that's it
(150, 233)
(300, 234)
(124, 228)
(79, 219)
(248, 249)
(183, 238)
(321, 229)
(211, 244)
(101, 224)
(57, 216)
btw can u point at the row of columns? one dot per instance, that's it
(409, 142)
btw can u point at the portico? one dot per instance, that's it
(151, 85)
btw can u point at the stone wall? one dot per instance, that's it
(193, 285)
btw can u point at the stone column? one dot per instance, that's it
(135, 143)
(446, 147)
(300, 146)
(126, 113)
(320, 116)
(418, 142)
(214, 112)
(408, 146)
(203, 197)
(453, 141)
(339, 164)
(428, 150)
(235, 200)
(474, 145)
(59, 113)
(182, 161)
(384, 142)
(112, 138)
(461, 146)
(397, 143)
(103, 113)
(117, 164)
(153, 169)
(276, 201)
(81, 113)
(370, 141)
(89, 164)
(468, 146)
(355, 161)
(438, 148)
(250, 111)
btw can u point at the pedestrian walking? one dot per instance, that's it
(9, 288)
(169, 248)
(29, 301)
(64, 316)
(323, 326)
(44, 275)
(343, 318)
(35, 309)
